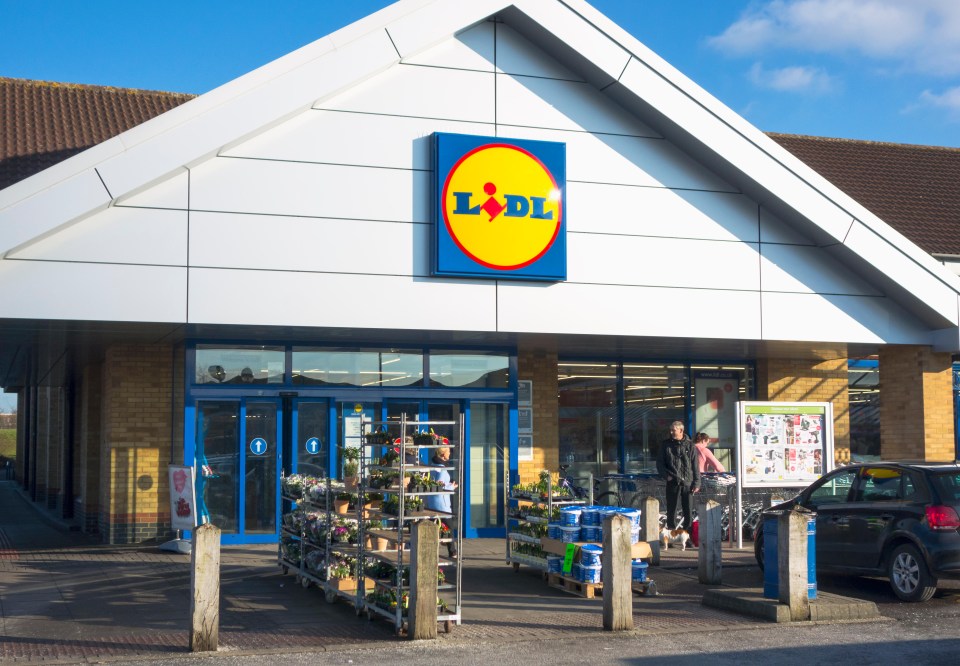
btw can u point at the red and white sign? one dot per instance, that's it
(183, 497)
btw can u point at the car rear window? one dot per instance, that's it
(948, 486)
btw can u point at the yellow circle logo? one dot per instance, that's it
(502, 206)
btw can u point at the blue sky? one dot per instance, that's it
(882, 70)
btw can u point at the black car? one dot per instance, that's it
(899, 520)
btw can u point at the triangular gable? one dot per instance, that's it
(571, 31)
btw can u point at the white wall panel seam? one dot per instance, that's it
(651, 187)
(311, 217)
(87, 262)
(685, 238)
(335, 164)
(583, 131)
(385, 115)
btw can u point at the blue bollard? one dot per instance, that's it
(771, 567)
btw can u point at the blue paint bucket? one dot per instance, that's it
(590, 555)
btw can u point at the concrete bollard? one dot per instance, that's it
(617, 574)
(710, 549)
(422, 614)
(205, 589)
(650, 526)
(792, 563)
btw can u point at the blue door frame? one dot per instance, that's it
(192, 451)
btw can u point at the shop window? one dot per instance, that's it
(217, 364)
(589, 417)
(716, 391)
(864, 398)
(365, 369)
(469, 369)
(654, 396)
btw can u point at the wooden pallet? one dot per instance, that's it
(574, 586)
(647, 588)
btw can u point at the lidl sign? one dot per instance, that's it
(500, 208)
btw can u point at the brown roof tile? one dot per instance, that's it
(914, 189)
(42, 123)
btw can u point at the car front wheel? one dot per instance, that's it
(908, 573)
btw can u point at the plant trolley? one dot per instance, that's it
(396, 464)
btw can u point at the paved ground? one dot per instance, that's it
(65, 598)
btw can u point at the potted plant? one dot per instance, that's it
(351, 466)
(379, 437)
(424, 438)
(341, 504)
(390, 459)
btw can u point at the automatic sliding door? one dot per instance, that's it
(260, 477)
(489, 442)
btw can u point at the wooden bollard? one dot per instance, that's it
(710, 549)
(650, 526)
(792, 563)
(422, 613)
(205, 589)
(617, 571)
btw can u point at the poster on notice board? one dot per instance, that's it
(784, 444)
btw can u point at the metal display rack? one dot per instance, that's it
(389, 596)
(519, 519)
(308, 531)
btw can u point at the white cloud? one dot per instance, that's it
(792, 79)
(920, 35)
(949, 99)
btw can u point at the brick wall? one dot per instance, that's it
(537, 361)
(136, 432)
(916, 404)
(808, 380)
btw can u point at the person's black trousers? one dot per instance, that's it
(677, 492)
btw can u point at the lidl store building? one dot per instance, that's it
(419, 215)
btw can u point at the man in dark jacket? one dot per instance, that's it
(677, 465)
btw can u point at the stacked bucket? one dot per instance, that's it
(585, 524)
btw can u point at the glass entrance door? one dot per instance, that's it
(238, 456)
(489, 443)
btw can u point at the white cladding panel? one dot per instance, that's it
(807, 269)
(831, 318)
(529, 101)
(620, 310)
(662, 262)
(105, 292)
(655, 211)
(173, 192)
(627, 160)
(230, 240)
(515, 55)
(425, 92)
(470, 49)
(314, 190)
(362, 139)
(349, 301)
(775, 230)
(910, 276)
(117, 235)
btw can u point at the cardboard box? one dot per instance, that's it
(639, 551)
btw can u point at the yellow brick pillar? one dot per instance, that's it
(537, 361)
(916, 404)
(811, 380)
(136, 426)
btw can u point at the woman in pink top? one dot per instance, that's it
(705, 458)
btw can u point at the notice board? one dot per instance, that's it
(784, 444)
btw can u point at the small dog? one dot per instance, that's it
(668, 536)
